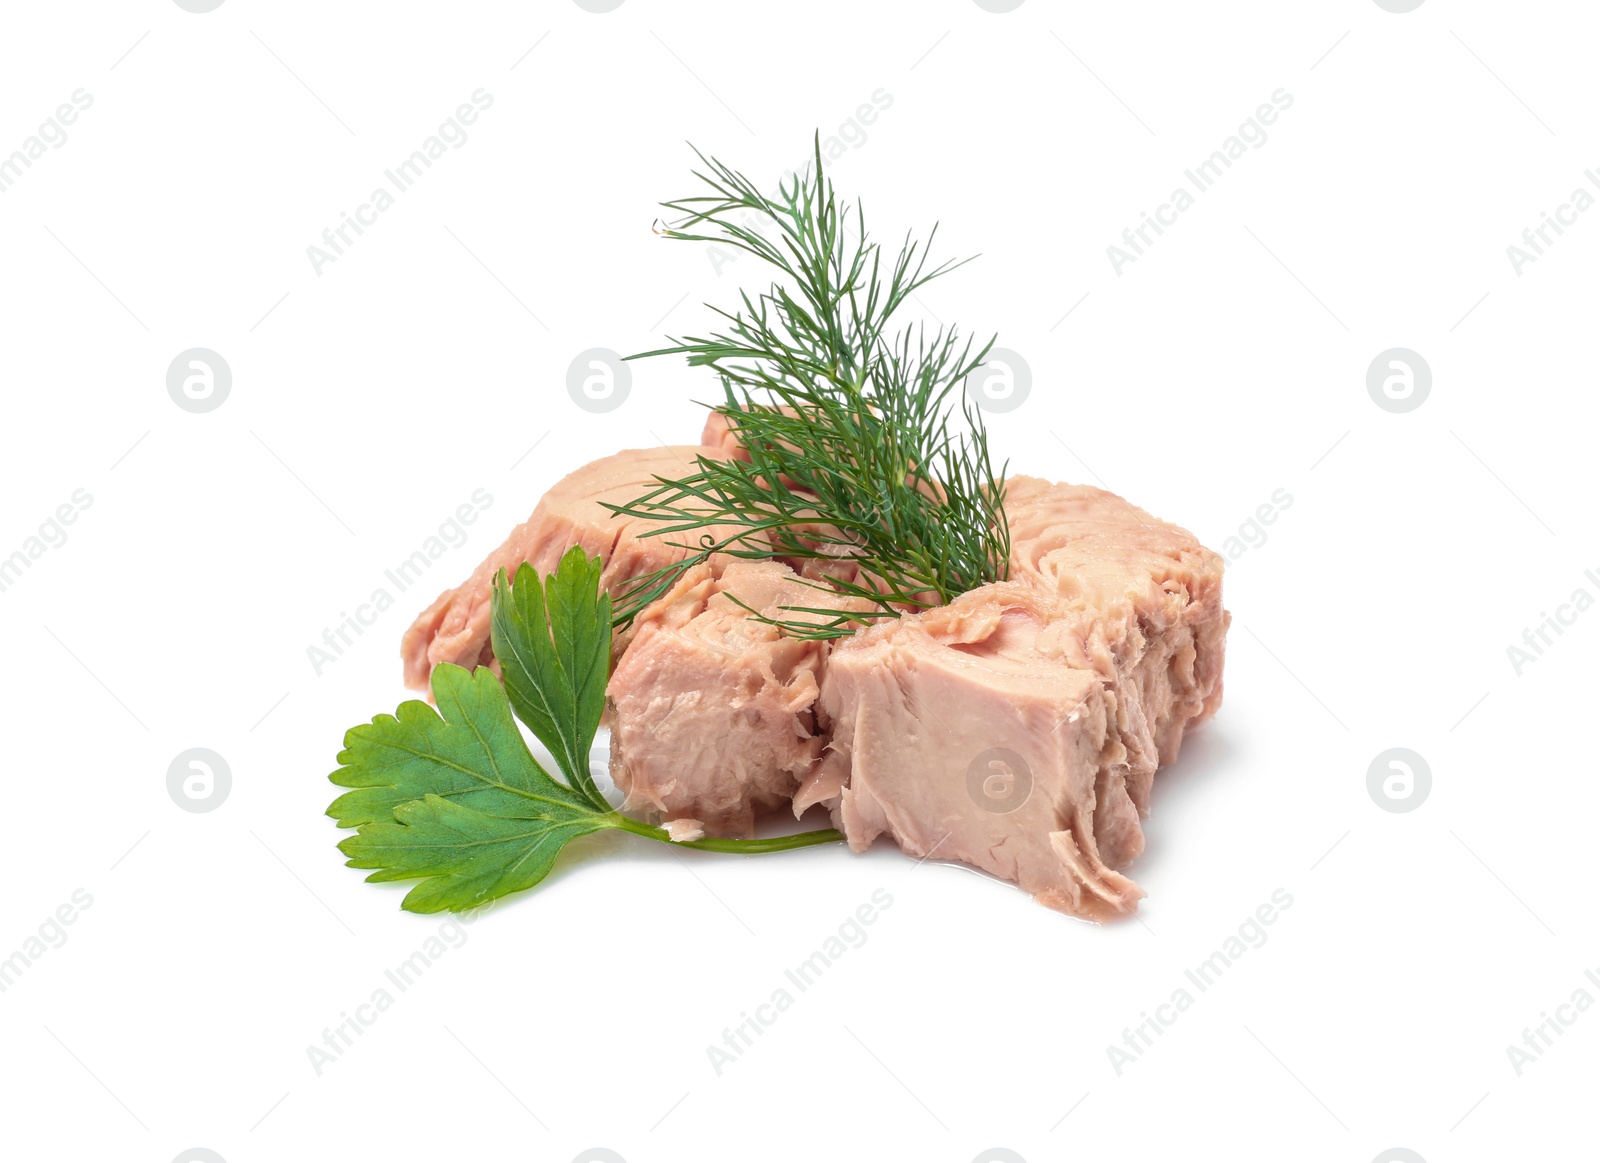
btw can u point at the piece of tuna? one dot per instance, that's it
(1149, 597)
(711, 710)
(455, 628)
(718, 433)
(966, 741)
(1017, 729)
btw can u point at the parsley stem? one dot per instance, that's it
(748, 847)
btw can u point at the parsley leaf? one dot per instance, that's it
(554, 646)
(454, 799)
(468, 751)
(466, 857)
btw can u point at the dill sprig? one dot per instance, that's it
(853, 456)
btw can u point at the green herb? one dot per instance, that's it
(454, 798)
(848, 426)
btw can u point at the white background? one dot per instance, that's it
(371, 399)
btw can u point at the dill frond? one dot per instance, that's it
(854, 459)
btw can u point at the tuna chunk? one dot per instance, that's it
(1148, 603)
(1017, 729)
(718, 433)
(711, 711)
(965, 741)
(456, 627)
